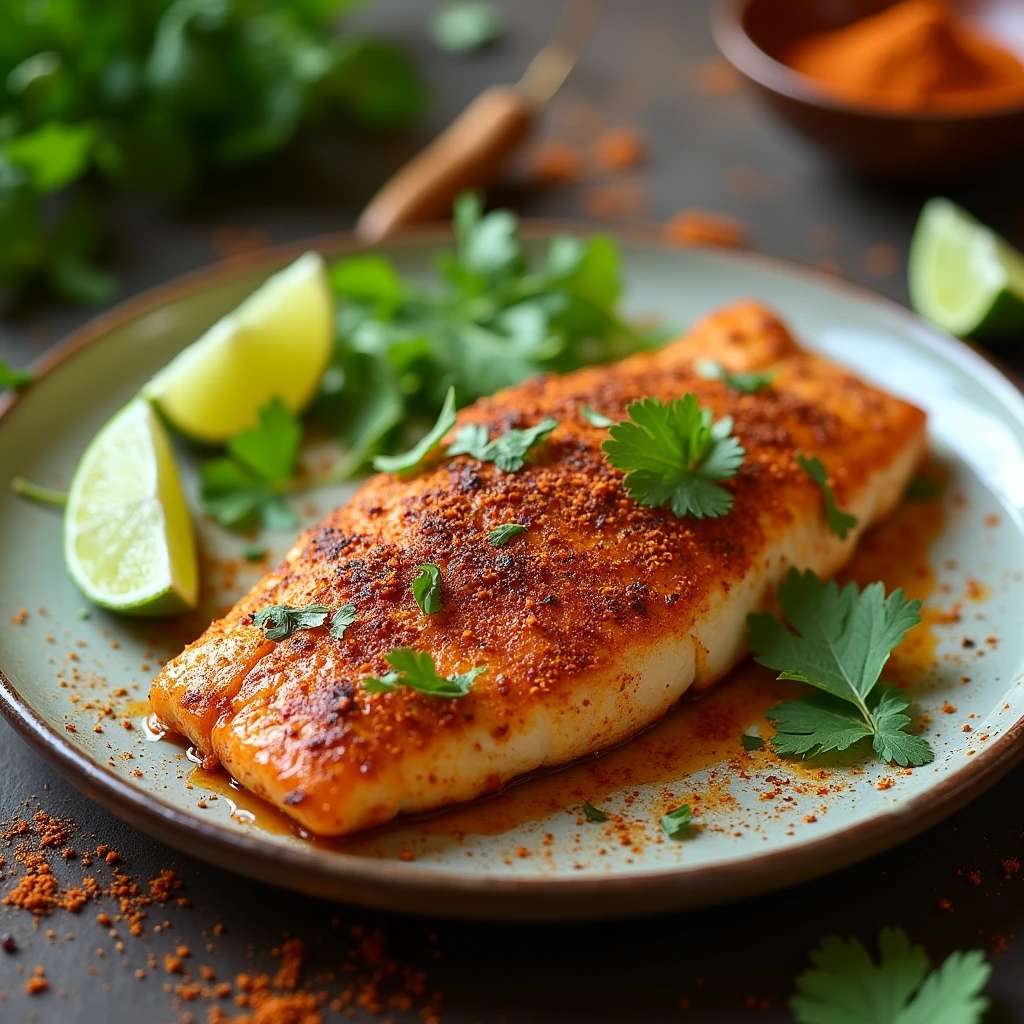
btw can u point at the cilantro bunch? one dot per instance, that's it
(501, 314)
(153, 95)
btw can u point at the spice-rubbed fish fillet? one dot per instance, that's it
(591, 625)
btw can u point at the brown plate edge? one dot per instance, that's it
(404, 887)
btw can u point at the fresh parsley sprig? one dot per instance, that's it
(280, 621)
(741, 383)
(844, 985)
(676, 824)
(842, 640)
(507, 451)
(426, 589)
(592, 813)
(416, 670)
(248, 483)
(839, 522)
(673, 455)
(595, 418)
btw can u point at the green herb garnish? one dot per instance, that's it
(416, 670)
(254, 553)
(842, 641)
(676, 824)
(462, 27)
(595, 418)
(501, 535)
(839, 522)
(410, 461)
(342, 619)
(11, 378)
(36, 492)
(249, 482)
(499, 316)
(280, 621)
(673, 454)
(751, 742)
(592, 813)
(844, 985)
(426, 589)
(507, 451)
(741, 383)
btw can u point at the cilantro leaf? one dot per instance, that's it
(342, 619)
(426, 589)
(467, 26)
(742, 383)
(845, 986)
(280, 621)
(676, 824)
(249, 480)
(595, 418)
(410, 461)
(54, 155)
(592, 813)
(673, 454)
(416, 670)
(751, 742)
(842, 641)
(14, 379)
(507, 451)
(501, 535)
(839, 522)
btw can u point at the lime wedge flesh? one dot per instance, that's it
(963, 276)
(277, 343)
(128, 539)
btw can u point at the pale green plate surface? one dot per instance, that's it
(551, 863)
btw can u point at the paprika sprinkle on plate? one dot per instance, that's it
(918, 55)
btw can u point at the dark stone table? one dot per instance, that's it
(646, 69)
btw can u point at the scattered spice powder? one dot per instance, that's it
(701, 227)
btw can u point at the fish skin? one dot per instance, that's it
(592, 624)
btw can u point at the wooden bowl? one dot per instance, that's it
(753, 34)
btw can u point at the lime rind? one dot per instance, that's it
(129, 545)
(276, 343)
(963, 277)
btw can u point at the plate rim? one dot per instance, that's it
(404, 886)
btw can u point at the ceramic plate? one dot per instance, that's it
(74, 682)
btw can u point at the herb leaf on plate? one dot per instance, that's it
(501, 535)
(592, 813)
(416, 670)
(246, 483)
(839, 522)
(676, 824)
(410, 461)
(741, 383)
(842, 640)
(674, 455)
(342, 619)
(280, 621)
(14, 379)
(844, 984)
(595, 418)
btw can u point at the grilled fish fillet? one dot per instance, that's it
(591, 625)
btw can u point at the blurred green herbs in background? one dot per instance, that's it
(151, 95)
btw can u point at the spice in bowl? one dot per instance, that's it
(916, 56)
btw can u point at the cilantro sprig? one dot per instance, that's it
(673, 454)
(408, 462)
(592, 813)
(844, 985)
(499, 315)
(839, 522)
(842, 640)
(741, 383)
(248, 483)
(507, 451)
(501, 535)
(416, 670)
(676, 824)
(280, 621)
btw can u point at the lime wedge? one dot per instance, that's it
(277, 343)
(128, 541)
(963, 276)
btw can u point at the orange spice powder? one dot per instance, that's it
(915, 55)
